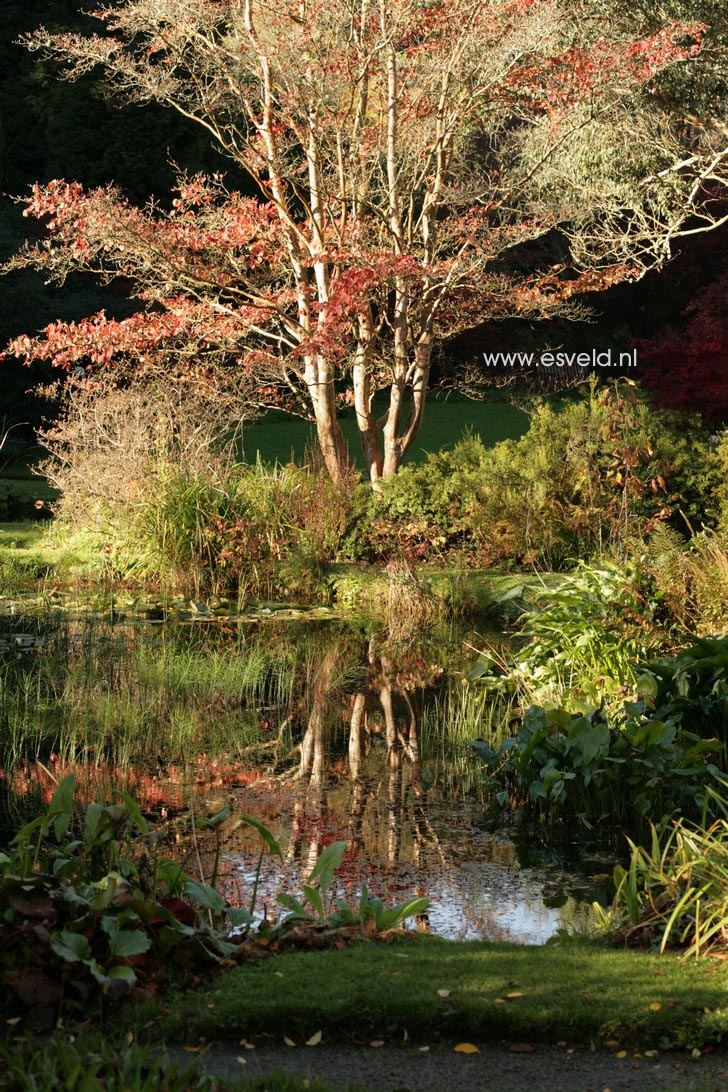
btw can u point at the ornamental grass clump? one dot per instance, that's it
(674, 894)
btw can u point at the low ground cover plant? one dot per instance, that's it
(90, 907)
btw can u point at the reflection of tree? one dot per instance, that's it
(384, 710)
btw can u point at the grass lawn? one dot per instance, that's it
(277, 436)
(31, 551)
(436, 989)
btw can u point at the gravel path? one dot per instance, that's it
(407, 1068)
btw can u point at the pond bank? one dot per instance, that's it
(426, 990)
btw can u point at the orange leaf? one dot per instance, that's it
(466, 1048)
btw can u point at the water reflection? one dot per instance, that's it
(323, 733)
(405, 837)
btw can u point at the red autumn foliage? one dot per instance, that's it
(400, 156)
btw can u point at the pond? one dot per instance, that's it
(322, 729)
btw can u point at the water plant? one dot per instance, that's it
(89, 904)
(674, 892)
(691, 687)
(596, 769)
(583, 636)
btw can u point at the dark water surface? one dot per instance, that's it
(321, 729)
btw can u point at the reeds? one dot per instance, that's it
(676, 891)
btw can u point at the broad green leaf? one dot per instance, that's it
(61, 806)
(238, 915)
(314, 898)
(73, 947)
(216, 820)
(265, 834)
(126, 974)
(395, 915)
(204, 896)
(329, 860)
(134, 813)
(94, 812)
(129, 942)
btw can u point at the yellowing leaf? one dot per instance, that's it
(621, 1054)
(287, 1041)
(655, 1006)
(466, 1048)
(444, 993)
(240, 1060)
(315, 1039)
(516, 993)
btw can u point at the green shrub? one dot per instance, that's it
(582, 639)
(588, 476)
(691, 688)
(691, 578)
(595, 769)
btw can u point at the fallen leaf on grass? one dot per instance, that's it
(240, 1060)
(377, 1043)
(444, 993)
(246, 1044)
(499, 1000)
(621, 1054)
(655, 1006)
(193, 1050)
(516, 993)
(466, 1048)
(424, 1049)
(287, 1041)
(522, 1048)
(652, 1054)
(315, 1039)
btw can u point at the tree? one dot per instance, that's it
(406, 155)
(687, 363)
